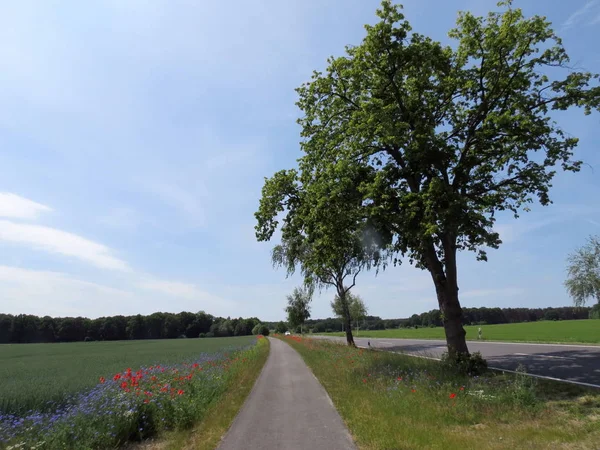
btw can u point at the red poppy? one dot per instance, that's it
(399, 378)
(102, 380)
(124, 385)
(413, 390)
(453, 395)
(364, 380)
(179, 392)
(117, 377)
(462, 388)
(146, 401)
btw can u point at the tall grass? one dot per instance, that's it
(392, 401)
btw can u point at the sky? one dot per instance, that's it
(135, 137)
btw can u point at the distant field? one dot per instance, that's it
(565, 331)
(31, 375)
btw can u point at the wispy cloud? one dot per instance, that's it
(54, 293)
(582, 15)
(25, 291)
(61, 242)
(17, 207)
(182, 199)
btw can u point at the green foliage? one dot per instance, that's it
(445, 134)
(551, 315)
(356, 306)
(298, 309)
(595, 311)
(422, 144)
(523, 390)
(281, 327)
(24, 328)
(473, 364)
(260, 329)
(583, 280)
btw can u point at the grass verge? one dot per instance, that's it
(554, 332)
(392, 401)
(218, 418)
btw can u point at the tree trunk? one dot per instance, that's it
(446, 288)
(349, 337)
(346, 311)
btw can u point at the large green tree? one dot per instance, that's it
(443, 137)
(583, 281)
(323, 232)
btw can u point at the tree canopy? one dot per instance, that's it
(298, 309)
(438, 139)
(583, 281)
(356, 307)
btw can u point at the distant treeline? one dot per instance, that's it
(471, 316)
(27, 328)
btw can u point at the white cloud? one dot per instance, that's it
(24, 291)
(189, 297)
(61, 242)
(581, 14)
(15, 206)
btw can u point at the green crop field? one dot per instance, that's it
(563, 331)
(31, 375)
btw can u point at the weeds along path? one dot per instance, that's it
(288, 409)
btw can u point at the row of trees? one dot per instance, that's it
(492, 316)
(411, 149)
(472, 316)
(28, 328)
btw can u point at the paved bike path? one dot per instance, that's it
(287, 409)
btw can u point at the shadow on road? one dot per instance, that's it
(573, 365)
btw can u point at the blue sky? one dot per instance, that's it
(135, 136)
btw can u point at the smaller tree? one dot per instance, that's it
(583, 281)
(281, 327)
(298, 309)
(356, 307)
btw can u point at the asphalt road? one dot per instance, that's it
(576, 363)
(288, 409)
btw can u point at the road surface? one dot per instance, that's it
(576, 363)
(288, 409)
